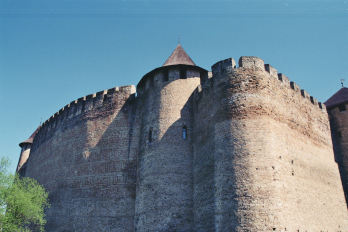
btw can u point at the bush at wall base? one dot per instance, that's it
(22, 202)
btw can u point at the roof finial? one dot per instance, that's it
(342, 82)
(179, 39)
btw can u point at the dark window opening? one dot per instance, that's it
(342, 107)
(150, 136)
(183, 74)
(184, 132)
(104, 99)
(202, 76)
(339, 134)
(166, 75)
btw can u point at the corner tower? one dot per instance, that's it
(337, 106)
(164, 200)
(25, 151)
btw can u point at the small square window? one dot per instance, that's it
(342, 107)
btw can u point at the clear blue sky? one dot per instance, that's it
(55, 51)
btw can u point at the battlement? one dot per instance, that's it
(104, 98)
(164, 75)
(228, 66)
(242, 137)
(251, 62)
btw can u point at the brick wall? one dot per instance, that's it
(257, 157)
(263, 155)
(164, 200)
(85, 156)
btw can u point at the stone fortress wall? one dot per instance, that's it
(263, 158)
(165, 174)
(85, 156)
(257, 156)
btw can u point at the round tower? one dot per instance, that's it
(337, 106)
(25, 151)
(164, 199)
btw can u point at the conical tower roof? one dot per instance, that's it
(179, 56)
(177, 59)
(31, 138)
(339, 97)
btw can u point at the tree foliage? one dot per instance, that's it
(22, 202)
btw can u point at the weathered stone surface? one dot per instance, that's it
(237, 149)
(263, 158)
(88, 164)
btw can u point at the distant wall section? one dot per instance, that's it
(85, 156)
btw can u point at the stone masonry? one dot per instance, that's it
(236, 149)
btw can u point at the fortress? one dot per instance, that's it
(235, 149)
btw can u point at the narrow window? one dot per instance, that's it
(150, 136)
(342, 107)
(104, 98)
(201, 76)
(184, 132)
(183, 73)
(339, 134)
(165, 75)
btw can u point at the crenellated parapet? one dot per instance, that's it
(82, 106)
(256, 64)
(86, 153)
(162, 76)
(238, 148)
(260, 143)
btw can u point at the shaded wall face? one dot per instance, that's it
(25, 151)
(165, 178)
(87, 163)
(339, 131)
(263, 159)
(22, 162)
